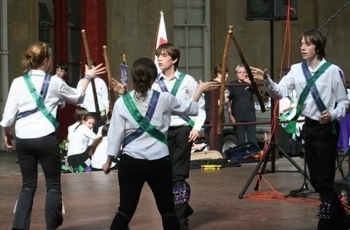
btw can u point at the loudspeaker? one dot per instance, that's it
(271, 9)
(260, 9)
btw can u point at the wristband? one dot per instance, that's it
(88, 77)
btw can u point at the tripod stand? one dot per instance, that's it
(263, 162)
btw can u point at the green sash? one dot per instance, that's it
(291, 127)
(143, 122)
(174, 90)
(39, 100)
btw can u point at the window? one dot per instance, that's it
(192, 36)
(46, 22)
(60, 26)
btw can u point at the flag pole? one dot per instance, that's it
(124, 71)
(155, 38)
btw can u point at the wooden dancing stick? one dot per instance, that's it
(249, 72)
(222, 83)
(109, 75)
(87, 52)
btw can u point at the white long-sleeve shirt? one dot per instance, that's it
(330, 85)
(123, 124)
(100, 155)
(186, 91)
(81, 139)
(20, 100)
(101, 93)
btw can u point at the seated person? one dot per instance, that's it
(78, 157)
(98, 151)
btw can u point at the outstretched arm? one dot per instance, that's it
(205, 87)
(259, 74)
(91, 73)
(118, 87)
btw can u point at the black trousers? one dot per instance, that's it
(320, 154)
(180, 151)
(132, 175)
(29, 152)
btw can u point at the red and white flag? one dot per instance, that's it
(161, 37)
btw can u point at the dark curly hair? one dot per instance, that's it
(143, 73)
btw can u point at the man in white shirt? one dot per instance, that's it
(322, 99)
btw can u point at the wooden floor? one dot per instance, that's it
(91, 199)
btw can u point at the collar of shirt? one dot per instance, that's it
(36, 72)
(313, 71)
(162, 76)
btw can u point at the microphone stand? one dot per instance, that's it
(334, 15)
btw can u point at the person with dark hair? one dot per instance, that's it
(61, 70)
(139, 124)
(184, 130)
(242, 107)
(78, 151)
(322, 99)
(32, 101)
(102, 100)
(79, 114)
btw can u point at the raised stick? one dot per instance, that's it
(87, 52)
(109, 75)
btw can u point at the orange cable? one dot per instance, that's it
(275, 112)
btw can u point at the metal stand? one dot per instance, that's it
(263, 162)
(339, 165)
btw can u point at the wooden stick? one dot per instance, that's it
(87, 52)
(222, 84)
(109, 75)
(249, 72)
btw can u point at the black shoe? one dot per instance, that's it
(189, 211)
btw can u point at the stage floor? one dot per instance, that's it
(91, 199)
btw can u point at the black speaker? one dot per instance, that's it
(271, 10)
(260, 9)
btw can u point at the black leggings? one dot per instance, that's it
(29, 152)
(132, 174)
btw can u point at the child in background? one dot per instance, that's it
(98, 150)
(79, 114)
(83, 136)
(61, 70)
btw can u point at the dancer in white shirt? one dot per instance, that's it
(32, 101)
(140, 122)
(323, 100)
